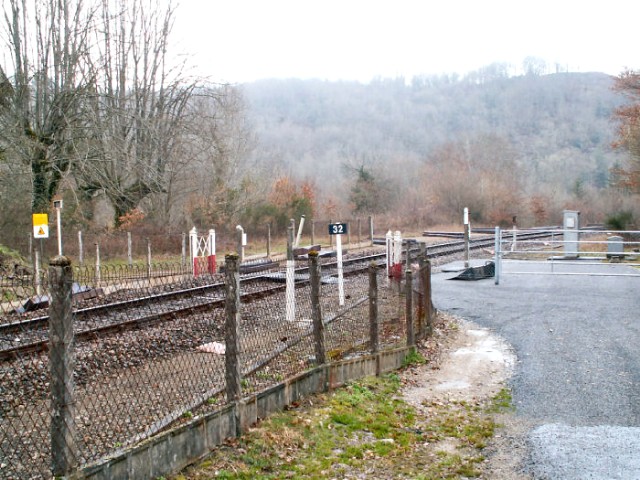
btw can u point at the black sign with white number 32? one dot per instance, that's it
(337, 228)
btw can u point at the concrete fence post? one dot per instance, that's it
(426, 295)
(61, 361)
(373, 313)
(240, 242)
(231, 335)
(411, 339)
(316, 311)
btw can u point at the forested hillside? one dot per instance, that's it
(504, 145)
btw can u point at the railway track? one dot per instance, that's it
(21, 336)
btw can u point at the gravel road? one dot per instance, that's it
(577, 379)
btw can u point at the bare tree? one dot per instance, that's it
(222, 180)
(139, 105)
(42, 88)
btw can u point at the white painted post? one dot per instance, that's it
(80, 248)
(242, 241)
(211, 251)
(58, 205)
(498, 246)
(290, 278)
(397, 248)
(297, 244)
(38, 276)
(193, 250)
(466, 237)
(340, 273)
(389, 243)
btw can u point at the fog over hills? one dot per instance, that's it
(557, 127)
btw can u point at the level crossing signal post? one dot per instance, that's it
(337, 230)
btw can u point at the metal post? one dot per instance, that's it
(97, 264)
(130, 249)
(80, 248)
(184, 250)
(290, 293)
(313, 232)
(232, 333)
(268, 239)
(193, 250)
(411, 339)
(61, 361)
(373, 313)
(316, 312)
(408, 254)
(371, 229)
(37, 274)
(359, 231)
(498, 246)
(297, 244)
(466, 237)
(59, 225)
(211, 252)
(149, 258)
(389, 243)
(340, 270)
(348, 233)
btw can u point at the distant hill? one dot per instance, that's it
(559, 125)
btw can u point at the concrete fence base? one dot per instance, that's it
(175, 449)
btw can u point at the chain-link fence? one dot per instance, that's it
(92, 364)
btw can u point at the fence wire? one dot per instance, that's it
(149, 351)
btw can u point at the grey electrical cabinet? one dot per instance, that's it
(571, 231)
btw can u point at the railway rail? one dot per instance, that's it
(22, 336)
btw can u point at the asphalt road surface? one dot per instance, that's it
(577, 379)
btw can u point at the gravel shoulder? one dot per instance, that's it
(473, 365)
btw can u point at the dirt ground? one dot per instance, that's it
(473, 364)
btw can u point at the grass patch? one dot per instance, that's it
(365, 429)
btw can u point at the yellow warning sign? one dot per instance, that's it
(40, 225)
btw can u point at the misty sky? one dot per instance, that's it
(245, 40)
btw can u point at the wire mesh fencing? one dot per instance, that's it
(98, 363)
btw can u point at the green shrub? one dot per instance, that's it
(619, 220)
